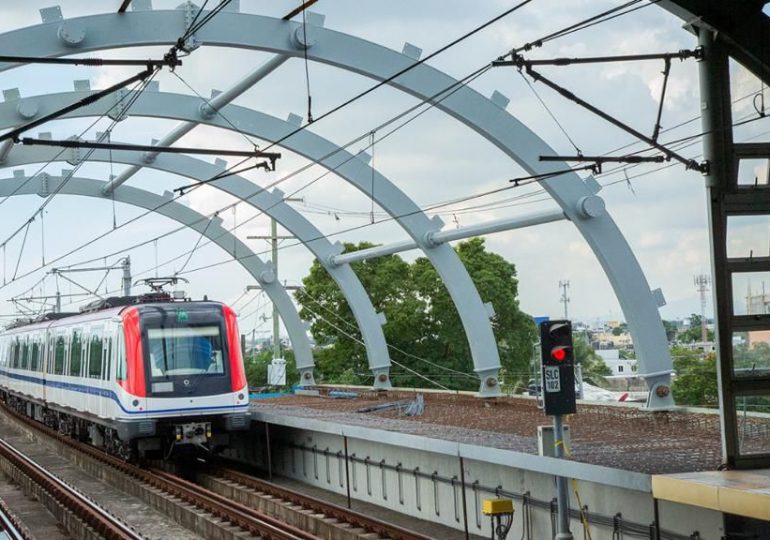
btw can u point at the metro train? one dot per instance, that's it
(137, 376)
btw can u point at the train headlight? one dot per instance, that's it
(135, 402)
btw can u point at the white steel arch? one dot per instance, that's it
(359, 56)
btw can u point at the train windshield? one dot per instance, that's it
(185, 350)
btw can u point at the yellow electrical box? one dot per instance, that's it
(496, 507)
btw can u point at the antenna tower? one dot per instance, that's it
(702, 282)
(564, 285)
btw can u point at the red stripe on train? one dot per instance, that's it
(237, 372)
(132, 337)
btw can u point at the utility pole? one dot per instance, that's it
(126, 276)
(564, 285)
(702, 282)
(273, 239)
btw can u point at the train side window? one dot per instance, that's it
(76, 352)
(61, 344)
(16, 353)
(51, 353)
(95, 354)
(24, 353)
(121, 357)
(108, 358)
(35, 354)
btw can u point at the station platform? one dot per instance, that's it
(741, 493)
(440, 465)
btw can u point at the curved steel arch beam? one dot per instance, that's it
(346, 165)
(44, 184)
(135, 31)
(480, 114)
(273, 204)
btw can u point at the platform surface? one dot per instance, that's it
(743, 493)
(610, 435)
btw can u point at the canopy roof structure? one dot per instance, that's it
(140, 26)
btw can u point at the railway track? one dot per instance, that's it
(229, 514)
(10, 526)
(247, 484)
(89, 512)
(253, 506)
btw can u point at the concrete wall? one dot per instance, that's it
(428, 485)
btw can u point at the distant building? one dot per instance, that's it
(608, 340)
(620, 367)
(757, 304)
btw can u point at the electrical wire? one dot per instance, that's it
(553, 117)
(134, 96)
(401, 72)
(431, 102)
(425, 59)
(381, 83)
(197, 243)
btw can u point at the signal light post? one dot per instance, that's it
(558, 376)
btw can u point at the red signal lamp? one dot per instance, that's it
(559, 353)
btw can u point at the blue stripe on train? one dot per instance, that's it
(105, 393)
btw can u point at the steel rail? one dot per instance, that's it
(10, 524)
(87, 510)
(341, 513)
(245, 517)
(249, 519)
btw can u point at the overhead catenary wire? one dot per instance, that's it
(401, 72)
(118, 103)
(434, 100)
(81, 162)
(426, 59)
(197, 243)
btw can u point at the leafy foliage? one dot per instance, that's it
(594, 368)
(693, 332)
(696, 378)
(422, 322)
(671, 330)
(256, 369)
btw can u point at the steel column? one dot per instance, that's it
(726, 198)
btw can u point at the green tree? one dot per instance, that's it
(696, 378)
(671, 328)
(594, 368)
(386, 279)
(693, 332)
(256, 369)
(422, 322)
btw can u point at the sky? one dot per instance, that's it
(660, 209)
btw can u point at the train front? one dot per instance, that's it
(185, 374)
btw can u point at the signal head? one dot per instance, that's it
(560, 353)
